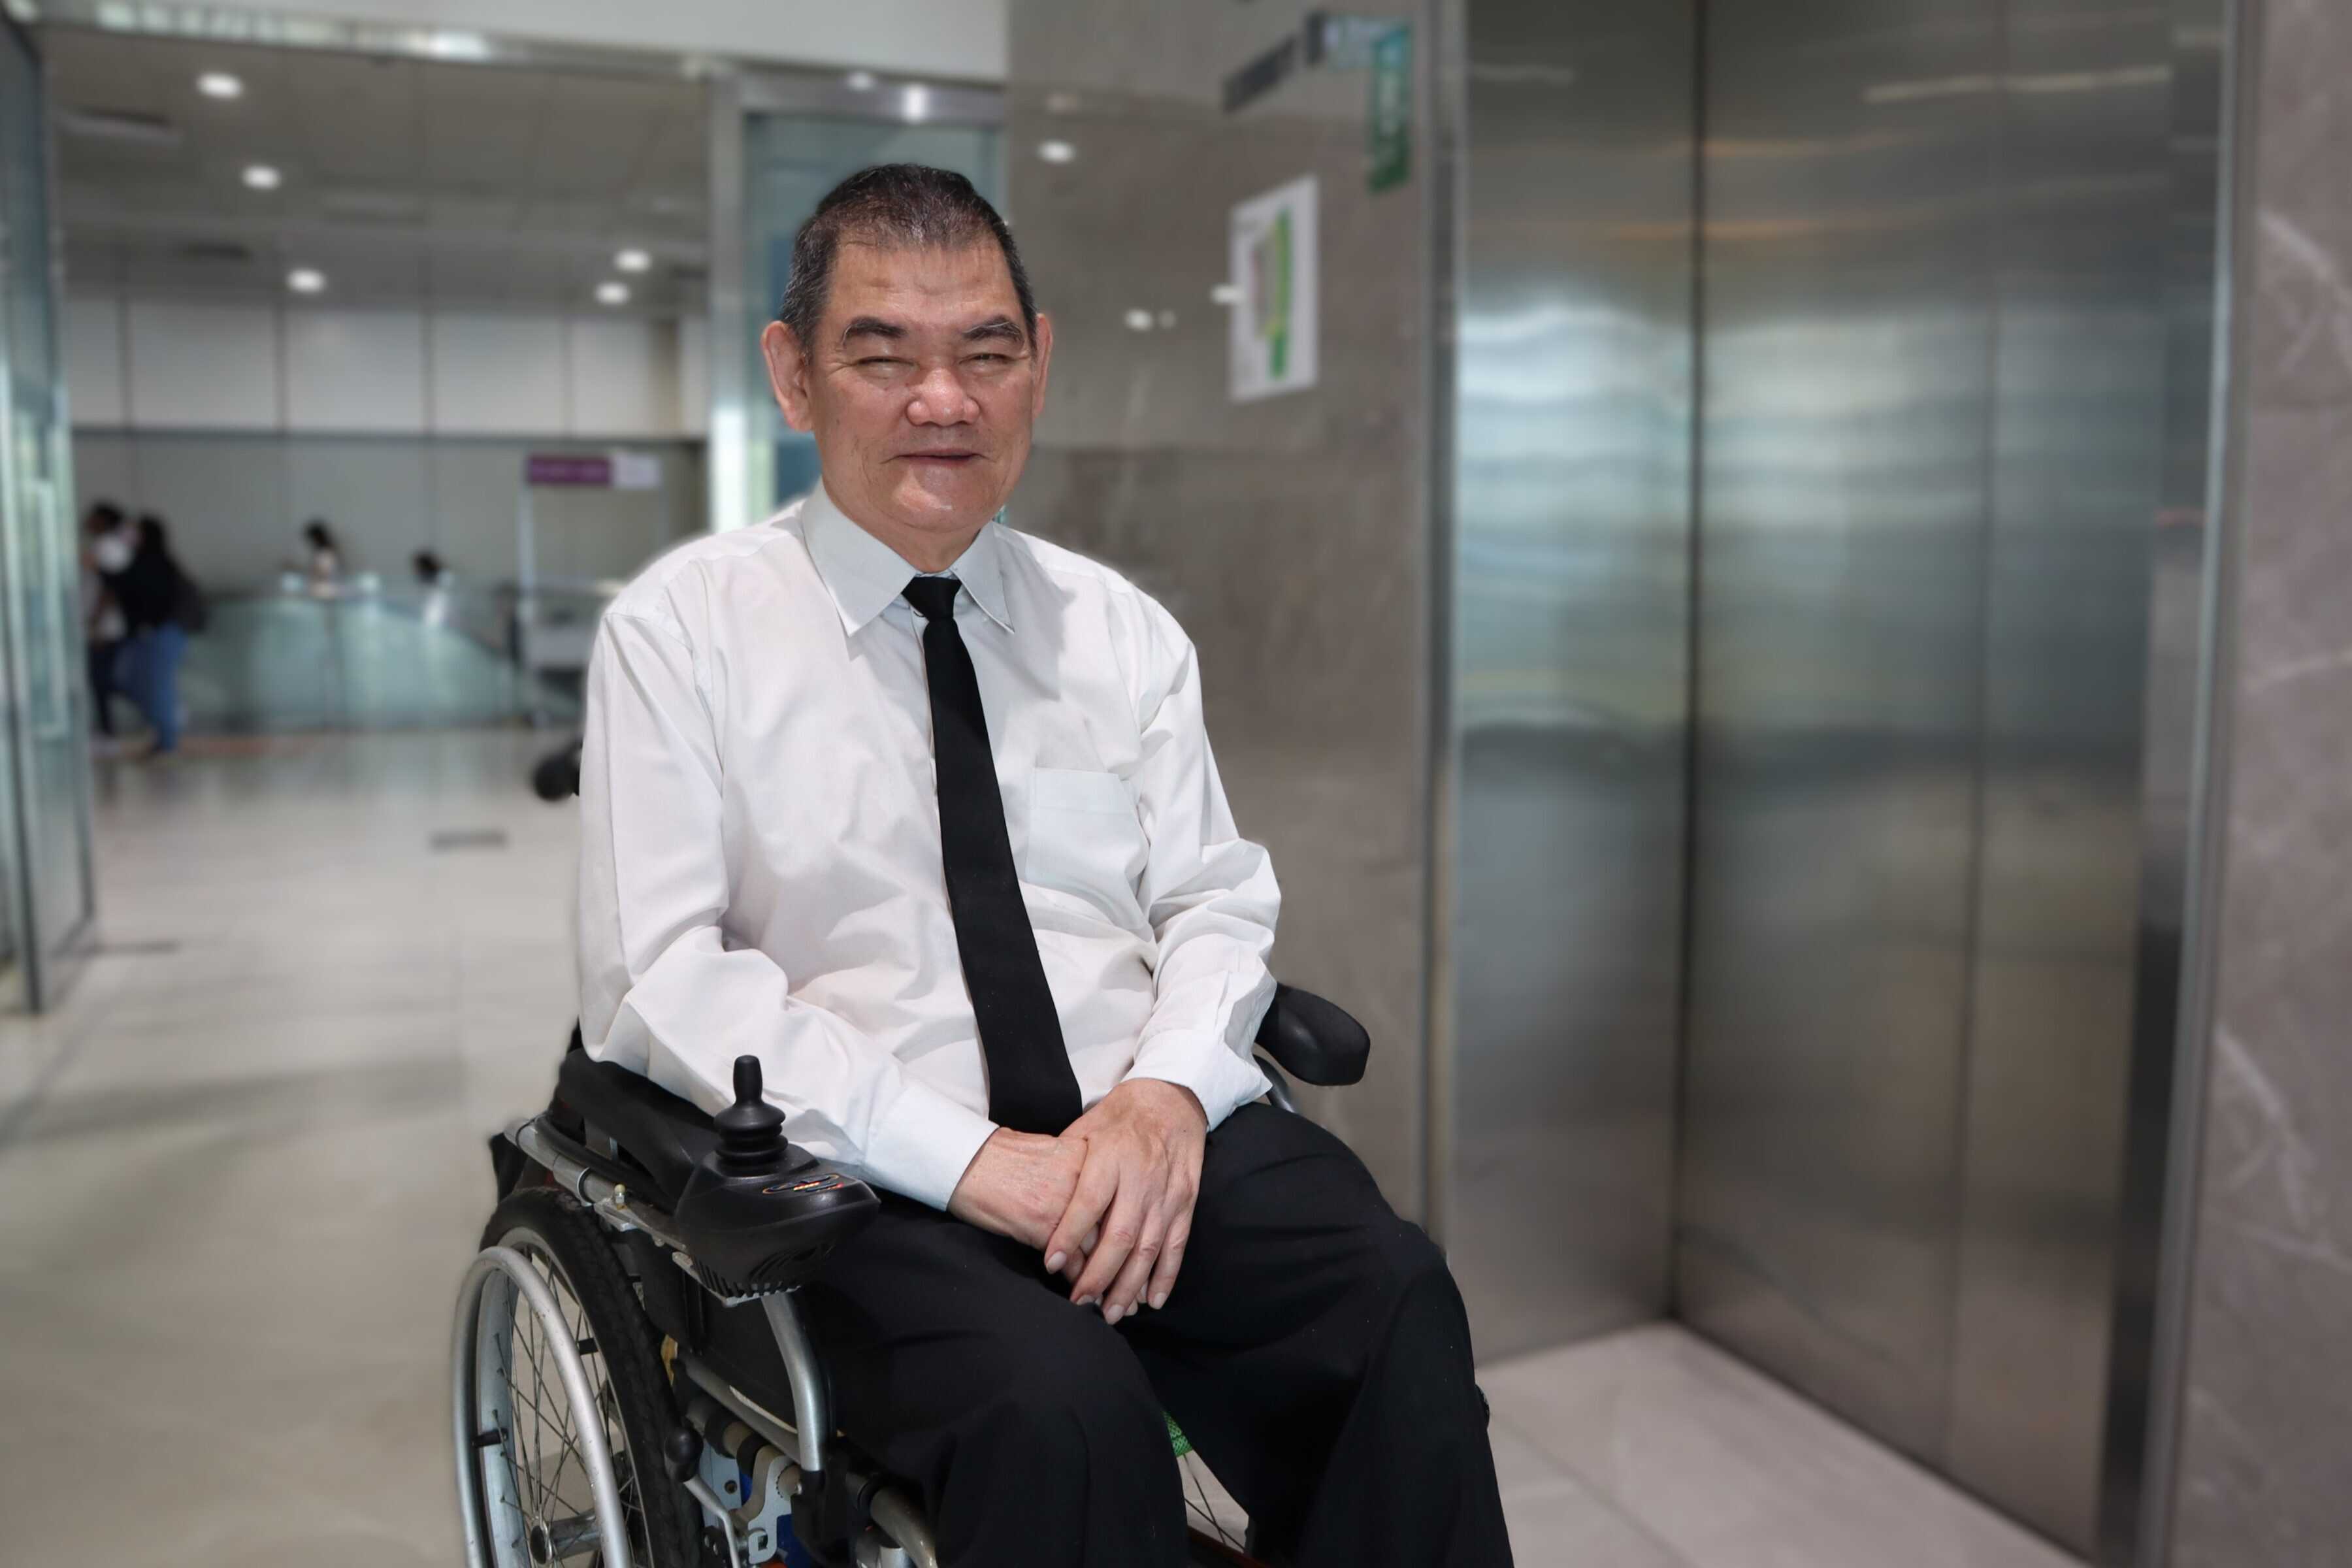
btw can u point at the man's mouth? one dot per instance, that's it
(949, 455)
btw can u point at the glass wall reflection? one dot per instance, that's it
(46, 862)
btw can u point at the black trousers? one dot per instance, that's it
(1314, 1349)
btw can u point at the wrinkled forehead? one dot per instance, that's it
(921, 288)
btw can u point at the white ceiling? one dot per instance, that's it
(962, 41)
(405, 181)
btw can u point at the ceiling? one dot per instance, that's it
(404, 181)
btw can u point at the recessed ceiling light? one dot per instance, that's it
(860, 81)
(917, 104)
(1139, 320)
(1057, 151)
(633, 260)
(262, 177)
(1225, 294)
(306, 280)
(611, 293)
(220, 84)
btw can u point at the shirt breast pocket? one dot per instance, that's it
(1086, 840)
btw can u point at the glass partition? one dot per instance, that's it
(46, 860)
(290, 659)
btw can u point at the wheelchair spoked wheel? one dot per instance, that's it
(562, 1405)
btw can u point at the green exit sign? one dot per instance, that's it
(1390, 118)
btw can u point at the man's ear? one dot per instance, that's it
(1045, 363)
(788, 374)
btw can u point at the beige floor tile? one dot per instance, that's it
(240, 1176)
(1732, 1471)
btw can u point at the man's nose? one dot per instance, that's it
(941, 399)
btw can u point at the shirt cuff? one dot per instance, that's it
(1220, 1078)
(922, 1146)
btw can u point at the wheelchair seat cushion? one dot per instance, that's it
(658, 1130)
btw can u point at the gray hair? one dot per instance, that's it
(903, 207)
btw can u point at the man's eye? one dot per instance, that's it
(880, 359)
(989, 359)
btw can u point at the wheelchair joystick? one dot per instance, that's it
(757, 1215)
(750, 1132)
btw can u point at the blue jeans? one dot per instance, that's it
(150, 674)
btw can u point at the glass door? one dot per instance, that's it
(46, 860)
(779, 145)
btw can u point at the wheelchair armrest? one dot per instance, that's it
(1313, 1040)
(757, 1215)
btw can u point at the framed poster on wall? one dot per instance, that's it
(1274, 313)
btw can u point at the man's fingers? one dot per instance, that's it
(1126, 1293)
(1121, 1229)
(1171, 1259)
(1073, 1236)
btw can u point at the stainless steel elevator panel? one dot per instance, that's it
(1934, 415)
(1846, 404)
(2077, 460)
(1570, 609)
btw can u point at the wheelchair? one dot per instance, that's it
(633, 1384)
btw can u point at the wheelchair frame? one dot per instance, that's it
(1317, 1040)
(619, 1211)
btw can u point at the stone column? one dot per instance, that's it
(2263, 1476)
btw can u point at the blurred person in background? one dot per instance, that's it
(323, 562)
(107, 542)
(161, 604)
(434, 582)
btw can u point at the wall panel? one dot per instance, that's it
(237, 502)
(1569, 604)
(498, 374)
(1289, 535)
(1935, 417)
(93, 347)
(354, 370)
(203, 366)
(624, 375)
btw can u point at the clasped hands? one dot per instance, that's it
(1108, 1202)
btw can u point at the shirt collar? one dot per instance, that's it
(864, 574)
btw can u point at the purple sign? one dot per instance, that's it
(567, 468)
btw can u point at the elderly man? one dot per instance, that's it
(920, 811)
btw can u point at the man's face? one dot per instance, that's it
(920, 386)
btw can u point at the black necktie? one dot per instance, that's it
(1031, 1088)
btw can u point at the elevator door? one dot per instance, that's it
(1933, 393)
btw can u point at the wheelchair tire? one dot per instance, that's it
(618, 1350)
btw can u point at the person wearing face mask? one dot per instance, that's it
(107, 546)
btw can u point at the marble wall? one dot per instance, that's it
(1289, 534)
(2268, 1398)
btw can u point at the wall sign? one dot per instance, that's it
(615, 470)
(1390, 155)
(1274, 311)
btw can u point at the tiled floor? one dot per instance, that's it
(1653, 1450)
(241, 1168)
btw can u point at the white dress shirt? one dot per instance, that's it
(759, 867)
